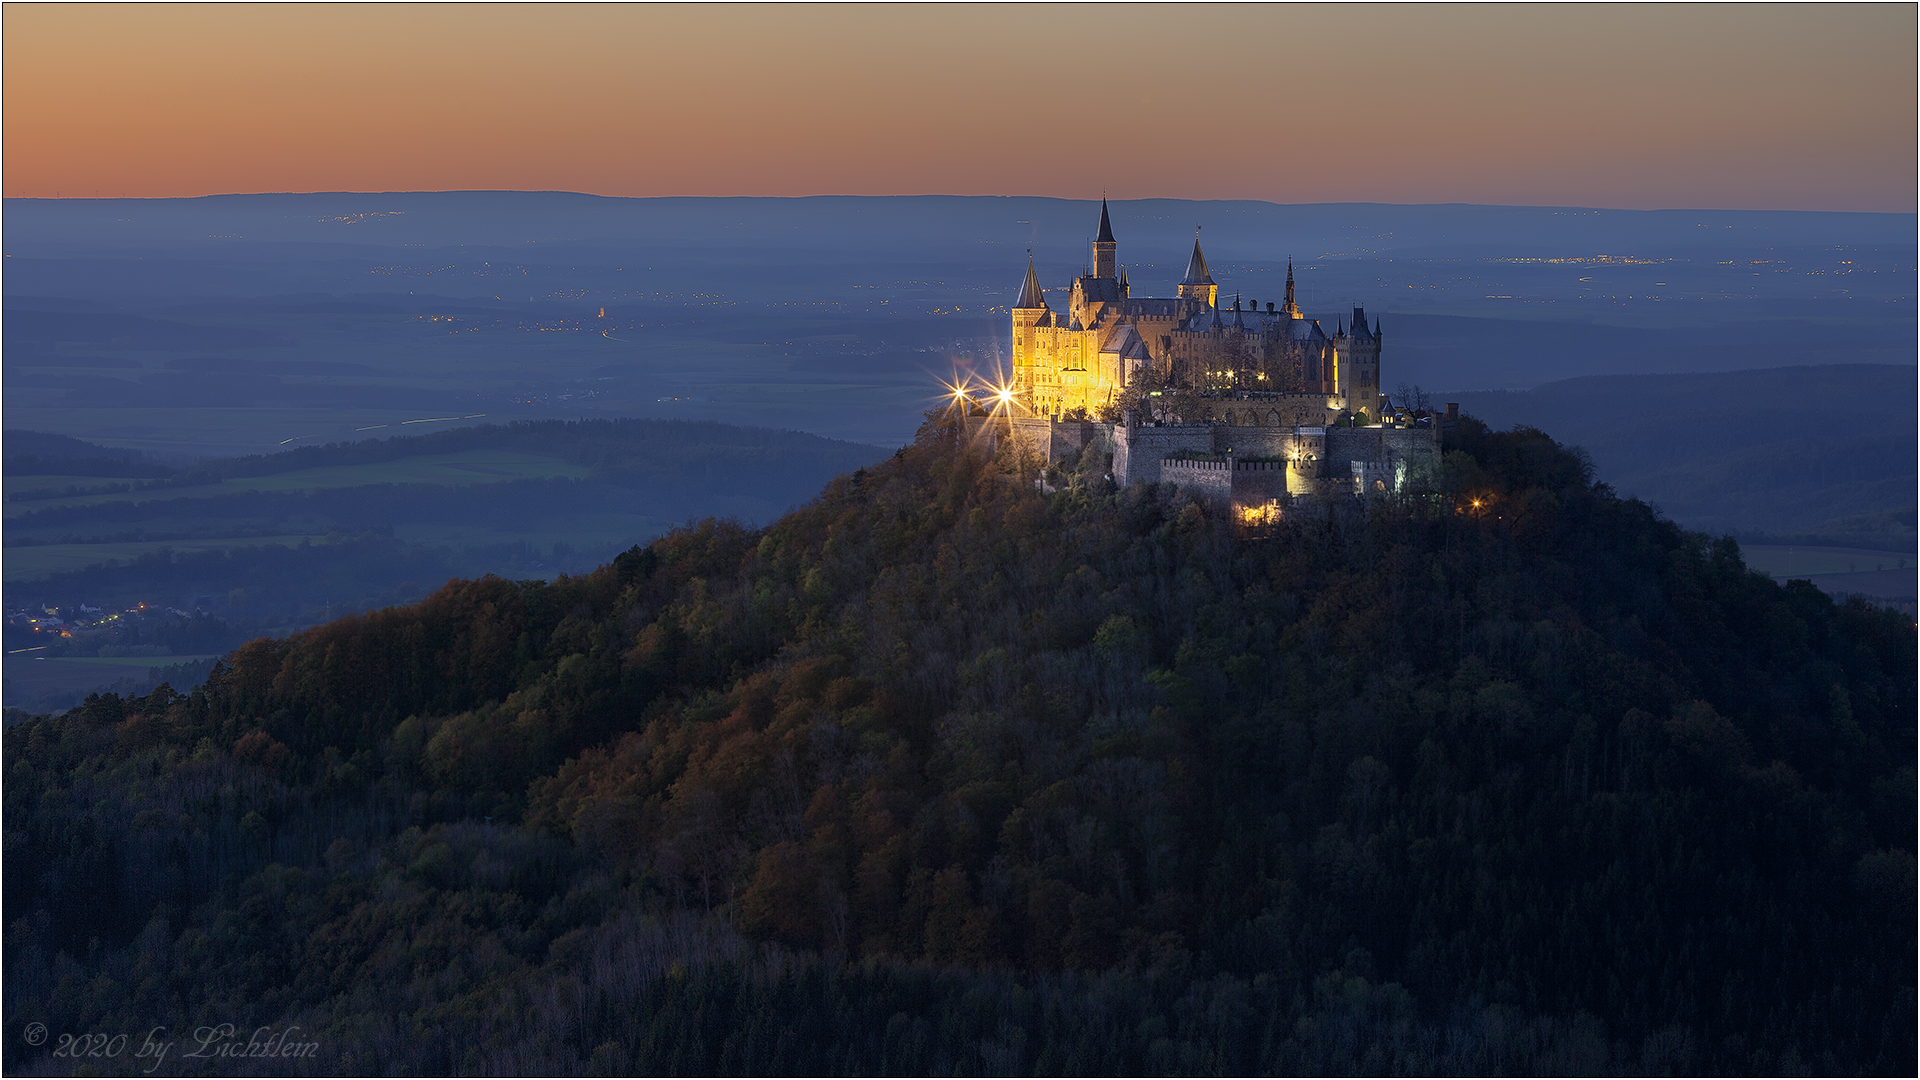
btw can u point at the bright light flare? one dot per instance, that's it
(959, 393)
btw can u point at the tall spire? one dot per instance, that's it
(1292, 308)
(1197, 273)
(1198, 284)
(1104, 245)
(1030, 294)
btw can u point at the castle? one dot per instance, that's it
(1248, 408)
(1077, 362)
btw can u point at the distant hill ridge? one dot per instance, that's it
(1782, 450)
(1238, 228)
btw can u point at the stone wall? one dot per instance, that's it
(1138, 450)
(1209, 477)
(1306, 460)
(1381, 458)
(1070, 437)
(1256, 483)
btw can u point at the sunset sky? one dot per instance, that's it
(1783, 107)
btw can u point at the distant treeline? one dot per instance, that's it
(1886, 530)
(1769, 451)
(942, 773)
(267, 581)
(34, 453)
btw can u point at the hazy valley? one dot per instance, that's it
(1750, 373)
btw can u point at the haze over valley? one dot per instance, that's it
(1748, 372)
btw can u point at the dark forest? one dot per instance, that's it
(946, 773)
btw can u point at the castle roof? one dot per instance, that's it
(1030, 294)
(1302, 329)
(1106, 227)
(1360, 323)
(1165, 307)
(1197, 268)
(1095, 288)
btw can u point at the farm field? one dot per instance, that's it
(479, 466)
(24, 565)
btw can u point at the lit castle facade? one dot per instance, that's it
(1247, 408)
(1075, 362)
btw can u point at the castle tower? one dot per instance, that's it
(1293, 309)
(1104, 245)
(1198, 284)
(1032, 301)
(1029, 311)
(1359, 366)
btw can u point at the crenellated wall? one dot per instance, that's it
(1257, 483)
(1295, 460)
(1208, 476)
(1138, 450)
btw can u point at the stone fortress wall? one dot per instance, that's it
(1275, 462)
(1239, 466)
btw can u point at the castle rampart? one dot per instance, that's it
(1262, 464)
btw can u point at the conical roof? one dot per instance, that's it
(1106, 227)
(1197, 268)
(1030, 295)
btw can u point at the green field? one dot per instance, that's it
(17, 485)
(26, 564)
(480, 466)
(1785, 561)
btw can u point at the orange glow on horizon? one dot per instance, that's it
(1622, 106)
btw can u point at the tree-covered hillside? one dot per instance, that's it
(945, 772)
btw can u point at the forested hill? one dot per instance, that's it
(945, 773)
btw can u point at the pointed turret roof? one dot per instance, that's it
(1106, 227)
(1030, 294)
(1197, 268)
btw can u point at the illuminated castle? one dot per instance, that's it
(1076, 362)
(1247, 408)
